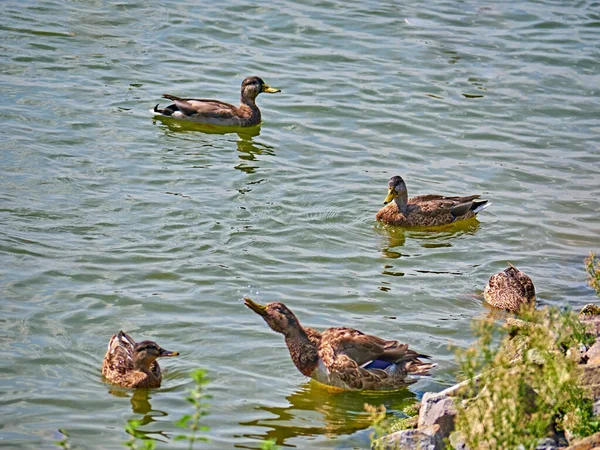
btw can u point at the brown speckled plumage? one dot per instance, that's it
(425, 210)
(341, 357)
(133, 364)
(215, 112)
(509, 289)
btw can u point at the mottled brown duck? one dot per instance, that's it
(425, 210)
(133, 364)
(215, 112)
(343, 357)
(510, 289)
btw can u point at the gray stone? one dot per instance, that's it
(593, 353)
(421, 439)
(547, 444)
(437, 409)
(597, 407)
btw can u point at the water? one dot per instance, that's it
(112, 221)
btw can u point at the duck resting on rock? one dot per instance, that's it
(425, 210)
(343, 357)
(133, 364)
(215, 112)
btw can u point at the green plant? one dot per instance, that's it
(527, 385)
(268, 445)
(592, 266)
(192, 421)
(132, 428)
(377, 415)
(64, 442)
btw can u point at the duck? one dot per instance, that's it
(215, 112)
(132, 364)
(425, 210)
(510, 290)
(343, 358)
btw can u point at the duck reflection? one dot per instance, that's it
(316, 410)
(140, 404)
(428, 237)
(180, 125)
(248, 151)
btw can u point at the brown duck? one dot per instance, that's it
(510, 289)
(133, 364)
(343, 357)
(425, 210)
(215, 112)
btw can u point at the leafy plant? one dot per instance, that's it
(592, 266)
(64, 442)
(132, 428)
(192, 421)
(527, 386)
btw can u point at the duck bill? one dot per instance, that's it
(390, 196)
(269, 89)
(258, 309)
(164, 353)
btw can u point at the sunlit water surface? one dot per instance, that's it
(112, 221)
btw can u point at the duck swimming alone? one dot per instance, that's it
(133, 364)
(215, 112)
(343, 357)
(510, 290)
(425, 210)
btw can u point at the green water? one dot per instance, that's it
(112, 221)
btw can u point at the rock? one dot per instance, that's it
(590, 378)
(597, 407)
(593, 353)
(438, 409)
(587, 443)
(422, 439)
(547, 444)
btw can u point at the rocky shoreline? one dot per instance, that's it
(433, 427)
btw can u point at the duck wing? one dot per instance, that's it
(203, 107)
(438, 204)
(119, 356)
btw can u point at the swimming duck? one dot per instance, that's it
(343, 357)
(425, 210)
(214, 112)
(133, 364)
(510, 289)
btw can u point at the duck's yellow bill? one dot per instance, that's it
(258, 309)
(269, 89)
(390, 196)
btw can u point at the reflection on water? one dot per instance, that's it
(429, 237)
(140, 404)
(315, 410)
(248, 150)
(182, 125)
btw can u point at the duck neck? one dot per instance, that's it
(250, 103)
(402, 202)
(144, 365)
(303, 350)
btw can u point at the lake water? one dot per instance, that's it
(111, 221)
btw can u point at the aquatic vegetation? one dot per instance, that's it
(137, 437)
(592, 265)
(528, 382)
(191, 422)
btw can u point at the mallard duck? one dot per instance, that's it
(510, 289)
(133, 364)
(425, 210)
(214, 112)
(343, 357)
